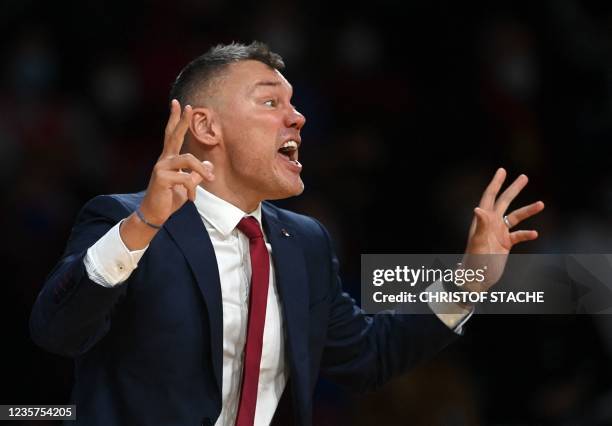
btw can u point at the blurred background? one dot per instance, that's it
(411, 107)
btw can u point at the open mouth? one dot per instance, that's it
(289, 150)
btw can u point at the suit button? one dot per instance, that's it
(206, 422)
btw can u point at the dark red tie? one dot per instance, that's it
(258, 297)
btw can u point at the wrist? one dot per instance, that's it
(142, 218)
(147, 217)
(136, 234)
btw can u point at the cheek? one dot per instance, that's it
(250, 156)
(252, 130)
(251, 139)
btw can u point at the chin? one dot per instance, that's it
(288, 191)
(296, 189)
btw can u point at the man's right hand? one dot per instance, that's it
(170, 185)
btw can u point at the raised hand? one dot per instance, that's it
(489, 233)
(490, 238)
(170, 185)
(173, 181)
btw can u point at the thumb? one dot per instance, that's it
(481, 219)
(196, 178)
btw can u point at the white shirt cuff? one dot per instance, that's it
(109, 262)
(456, 320)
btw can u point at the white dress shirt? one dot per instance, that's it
(109, 262)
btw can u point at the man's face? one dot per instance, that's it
(261, 131)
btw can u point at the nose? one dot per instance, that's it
(295, 119)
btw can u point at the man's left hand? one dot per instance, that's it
(490, 234)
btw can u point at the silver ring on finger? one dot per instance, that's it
(507, 222)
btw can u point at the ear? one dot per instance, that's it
(204, 126)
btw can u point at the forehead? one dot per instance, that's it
(249, 77)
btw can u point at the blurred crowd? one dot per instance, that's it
(410, 110)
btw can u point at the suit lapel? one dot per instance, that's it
(292, 284)
(186, 228)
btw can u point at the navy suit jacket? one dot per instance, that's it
(149, 351)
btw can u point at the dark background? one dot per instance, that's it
(411, 107)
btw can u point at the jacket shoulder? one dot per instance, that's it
(125, 202)
(129, 201)
(305, 225)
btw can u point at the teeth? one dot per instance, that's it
(290, 144)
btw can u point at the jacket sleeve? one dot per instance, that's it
(72, 313)
(362, 352)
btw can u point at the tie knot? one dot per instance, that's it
(249, 226)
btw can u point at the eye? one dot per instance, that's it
(270, 102)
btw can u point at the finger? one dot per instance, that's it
(176, 139)
(168, 179)
(488, 197)
(481, 219)
(190, 184)
(180, 192)
(519, 215)
(188, 161)
(510, 194)
(191, 189)
(211, 169)
(520, 236)
(175, 116)
(196, 178)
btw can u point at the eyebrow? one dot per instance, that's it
(264, 83)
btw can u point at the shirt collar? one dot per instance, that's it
(223, 216)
